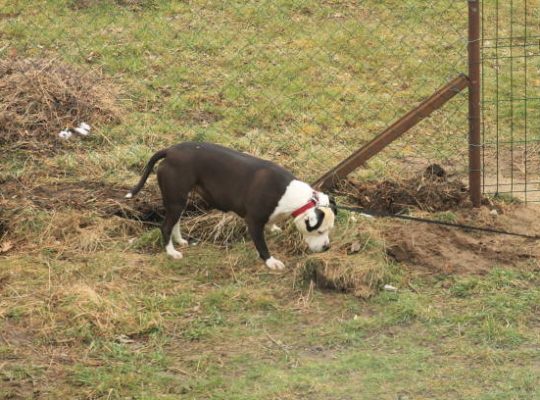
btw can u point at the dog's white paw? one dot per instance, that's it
(275, 229)
(181, 241)
(274, 264)
(173, 252)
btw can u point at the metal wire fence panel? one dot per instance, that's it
(301, 82)
(511, 98)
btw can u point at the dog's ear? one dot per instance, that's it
(333, 206)
(314, 220)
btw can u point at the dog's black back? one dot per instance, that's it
(227, 179)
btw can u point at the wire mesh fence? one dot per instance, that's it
(511, 98)
(304, 83)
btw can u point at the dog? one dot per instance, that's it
(257, 190)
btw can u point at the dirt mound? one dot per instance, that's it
(431, 191)
(343, 273)
(439, 249)
(39, 98)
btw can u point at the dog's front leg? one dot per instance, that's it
(256, 231)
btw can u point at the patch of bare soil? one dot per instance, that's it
(41, 97)
(438, 249)
(513, 170)
(21, 379)
(107, 200)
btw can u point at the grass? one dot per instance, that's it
(259, 104)
(90, 307)
(195, 331)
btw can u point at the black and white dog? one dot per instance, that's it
(257, 190)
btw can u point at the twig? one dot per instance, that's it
(277, 343)
(410, 285)
(182, 371)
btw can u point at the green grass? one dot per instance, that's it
(181, 334)
(282, 80)
(196, 334)
(87, 313)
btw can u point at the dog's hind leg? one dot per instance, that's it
(174, 191)
(172, 218)
(177, 235)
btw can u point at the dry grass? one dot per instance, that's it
(64, 300)
(357, 275)
(428, 192)
(90, 216)
(72, 217)
(215, 227)
(355, 263)
(40, 97)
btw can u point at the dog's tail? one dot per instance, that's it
(147, 171)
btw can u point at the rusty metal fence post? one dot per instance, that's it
(474, 103)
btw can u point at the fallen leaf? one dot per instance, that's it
(6, 246)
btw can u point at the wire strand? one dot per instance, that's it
(382, 214)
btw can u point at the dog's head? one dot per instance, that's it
(316, 223)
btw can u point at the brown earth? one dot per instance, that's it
(107, 200)
(446, 250)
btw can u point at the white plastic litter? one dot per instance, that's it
(81, 132)
(494, 212)
(64, 135)
(390, 288)
(83, 129)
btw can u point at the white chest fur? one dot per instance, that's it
(296, 195)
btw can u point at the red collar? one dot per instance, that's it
(310, 204)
